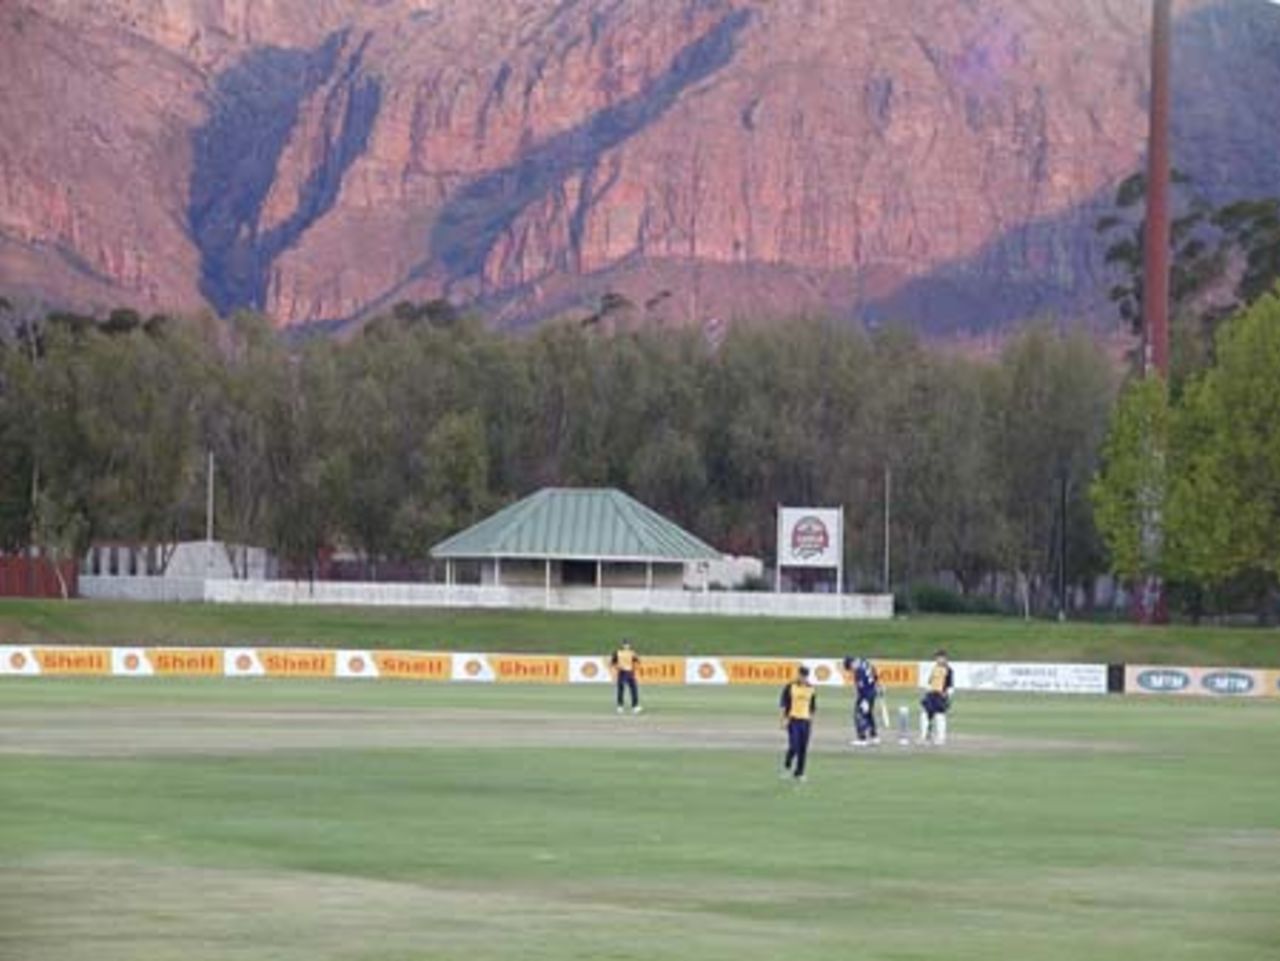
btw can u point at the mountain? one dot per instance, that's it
(938, 161)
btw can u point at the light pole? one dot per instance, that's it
(888, 487)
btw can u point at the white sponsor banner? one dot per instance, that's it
(827, 672)
(242, 662)
(18, 660)
(1024, 677)
(355, 664)
(130, 662)
(704, 670)
(473, 667)
(810, 536)
(1198, 681)
(589, 670)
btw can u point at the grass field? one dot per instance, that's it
(970, 638)
(252, 820)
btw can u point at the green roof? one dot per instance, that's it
(577, 523)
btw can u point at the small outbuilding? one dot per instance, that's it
(573, 537)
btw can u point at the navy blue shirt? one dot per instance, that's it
(865, 678)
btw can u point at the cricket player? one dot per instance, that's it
(937, 700)
(624, 663)
(799, 702)
(866, 684)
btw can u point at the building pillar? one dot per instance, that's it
(497, 572)
(547, 583)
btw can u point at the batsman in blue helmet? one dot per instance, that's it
(866, 686)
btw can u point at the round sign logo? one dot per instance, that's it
(131, 662)
(823, 673)
(474, 668)
(590, 669)
(706, 671)
(356, 665)
(1227, 682)
(809, 538)
(17, 660)
(1164, 680)
(244, 662)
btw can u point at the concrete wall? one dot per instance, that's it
(189, 559)
(728, 573)
(143, 588)
(628, 600)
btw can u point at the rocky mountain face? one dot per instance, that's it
(939, 161)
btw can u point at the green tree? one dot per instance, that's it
(245, 423)
(139, 413)
(1222, 259)
(17, 453)
(1129, 492)
(51, 385)
(1225, 500)
(304, 516)
(1052, 398)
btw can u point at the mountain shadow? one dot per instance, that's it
(254, 108)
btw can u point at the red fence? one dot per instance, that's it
(22, 576)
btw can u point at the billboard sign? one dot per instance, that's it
(1197, 681)
(810, 537)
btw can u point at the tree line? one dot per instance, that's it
(424, 421)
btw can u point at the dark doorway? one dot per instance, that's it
(578, 573)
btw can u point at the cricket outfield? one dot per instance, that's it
(171, 819)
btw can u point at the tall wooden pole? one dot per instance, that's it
(1150, 606)
(1155, 243)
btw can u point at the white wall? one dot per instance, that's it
(188, 559)
(623, 600)
(729, 572)
(142, 588)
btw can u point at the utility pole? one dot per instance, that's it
(1155, 288)
(1155, 241)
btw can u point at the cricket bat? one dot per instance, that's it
(884, 712)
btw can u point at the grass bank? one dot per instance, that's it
(972, 638)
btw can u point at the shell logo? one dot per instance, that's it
(132, 662)
(706, 671)
(244, 662)
(822, 673)
(590, 669)
(356, 665)
(17, 660)
(473, 668)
